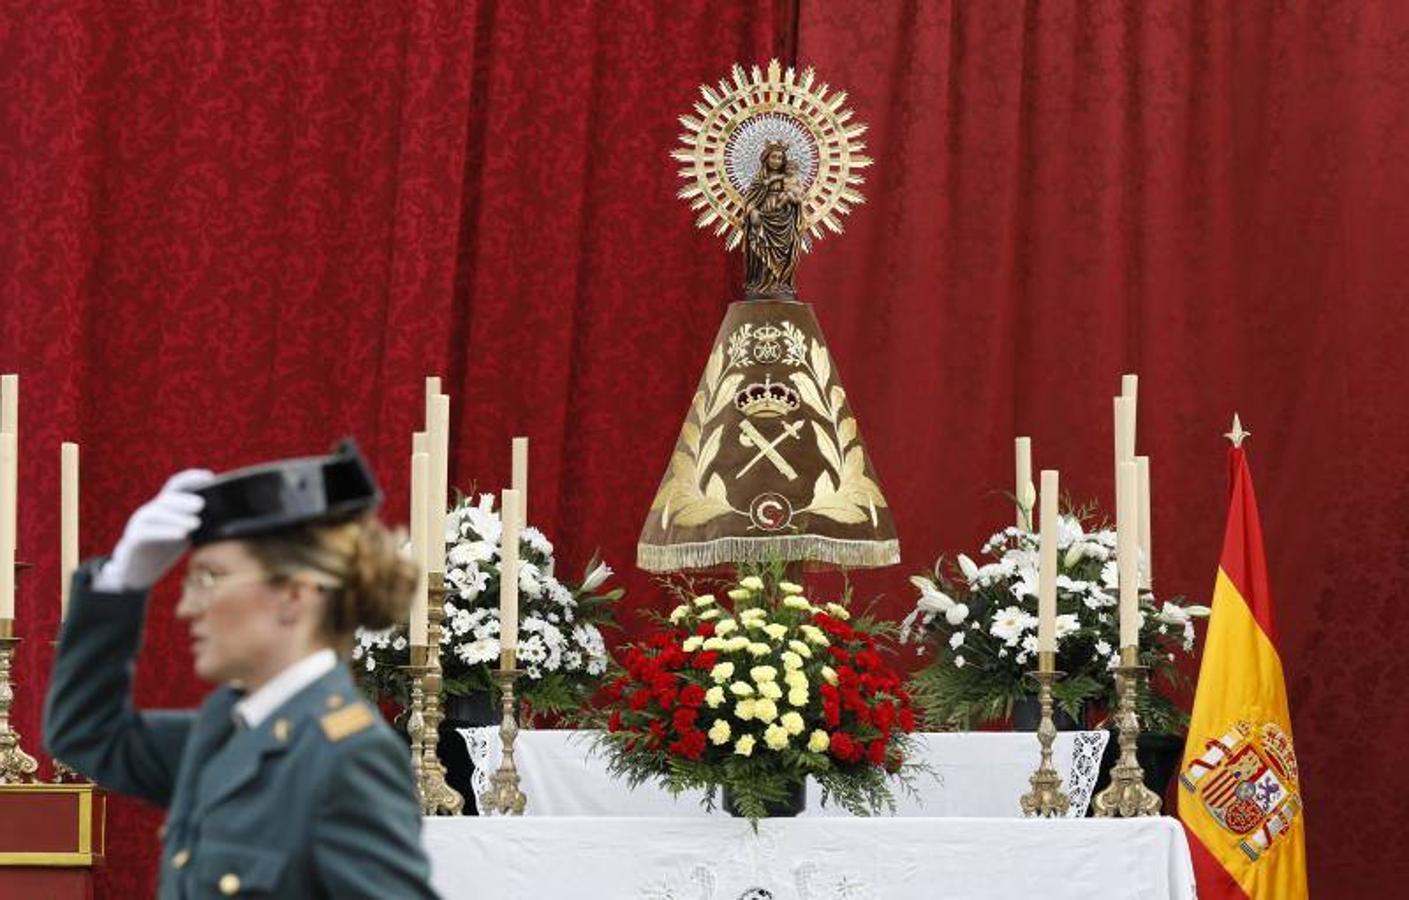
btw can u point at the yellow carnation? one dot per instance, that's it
(770, 690)
(719, 732)
(746, 709)
(725, 626)
(800, 649)
(692, 644)
(714, 697)
(792, 722)
(758, 649)
(830, 674)
(722, 672)
(763, 673)
(704, 600)
(744, 745)
(776, 737)
(791, 661)
(751, 583)
(838, 611)
(765, 710)
(741, 689)
(819, 742)
(788, 587)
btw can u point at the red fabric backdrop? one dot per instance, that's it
(233, 231)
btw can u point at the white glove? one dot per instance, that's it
(156, 535)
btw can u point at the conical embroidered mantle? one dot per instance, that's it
(769, 464)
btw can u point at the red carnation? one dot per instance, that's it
(684, 719)
(705, 629)
(639, 699)
(706, 660)
(692, 695)
(841, 746)
(614, 723)
(907, 719)
(876, 753)
(884, 716)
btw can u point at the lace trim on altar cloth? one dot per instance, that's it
(1087, 749)
(486, 753)
(809, 881)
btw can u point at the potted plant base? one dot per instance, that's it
(789, 807)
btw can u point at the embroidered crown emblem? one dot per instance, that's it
(767, 400)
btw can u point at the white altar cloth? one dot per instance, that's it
(980, 774)
(581, 858)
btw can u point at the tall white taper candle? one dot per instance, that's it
(1142, 485)
(1127, 547)
(10, 403)
(1047, 573)
(9, 462)
(1022, 480)
(68, 521)
(519, 478)
(509, 579)
(437, 440)
(419, 625)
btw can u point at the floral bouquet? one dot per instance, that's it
(981, 622)
(753, 694)
(561, 650)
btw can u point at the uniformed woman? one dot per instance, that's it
(285, 783)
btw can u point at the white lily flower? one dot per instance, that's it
(597, 577)
(956, 614)
(968, 567)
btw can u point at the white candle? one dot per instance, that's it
(419, 624)
(418, 442)
(68, 522)
(519, 478)
(1142, 483)
(1124, 429)
(1047, 573)
(10, 403)
(509, 580)
(1127, 546)
(437, 442)
(9, 463)
(1022, 479)
(1130, 389)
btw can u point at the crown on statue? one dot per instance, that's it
(768, 399)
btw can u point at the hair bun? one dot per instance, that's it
(380, 577)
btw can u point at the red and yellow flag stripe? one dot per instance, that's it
(1240, 791)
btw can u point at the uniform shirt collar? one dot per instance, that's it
(257, 706)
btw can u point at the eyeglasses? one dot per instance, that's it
(201, 584)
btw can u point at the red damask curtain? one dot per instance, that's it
(238, 230)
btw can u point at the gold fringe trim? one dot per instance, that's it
(721, 551)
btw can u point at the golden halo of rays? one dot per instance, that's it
(728, 106)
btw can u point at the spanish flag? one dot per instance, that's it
(1239, 787)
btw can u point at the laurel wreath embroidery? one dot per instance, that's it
(692, 496)
(853, 496)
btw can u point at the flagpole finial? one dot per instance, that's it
(1237, 435)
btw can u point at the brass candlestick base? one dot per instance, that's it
(438, 798)
(416, 711)
(1046, 799)
(1126, 795)
(504, 796)
(16, 766)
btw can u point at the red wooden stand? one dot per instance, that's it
(51, 837)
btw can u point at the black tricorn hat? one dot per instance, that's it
(277, 495)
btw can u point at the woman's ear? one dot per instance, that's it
(300, 599)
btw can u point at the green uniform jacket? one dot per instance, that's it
(318, 801)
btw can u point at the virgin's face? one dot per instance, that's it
(238, 617)
(776, 161)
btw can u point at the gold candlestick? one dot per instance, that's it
(16, 766)
(1126, 795)
(1046, 799)
(504, 796)
(437, 797)
(415, 711)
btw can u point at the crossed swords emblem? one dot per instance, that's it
(768, 449)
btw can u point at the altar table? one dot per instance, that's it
(979, 774)
(586, 858)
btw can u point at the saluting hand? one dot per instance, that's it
(156, 535)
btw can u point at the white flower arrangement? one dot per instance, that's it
(561, 649)
(981, 623)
